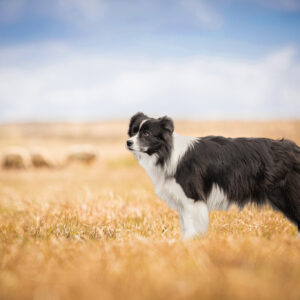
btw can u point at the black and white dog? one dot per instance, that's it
(197, 175)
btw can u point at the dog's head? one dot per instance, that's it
(149, 135)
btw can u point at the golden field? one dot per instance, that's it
(99, 231)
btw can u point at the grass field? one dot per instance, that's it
(99, 231)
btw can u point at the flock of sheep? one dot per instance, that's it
(21, 158)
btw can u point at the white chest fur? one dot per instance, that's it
(193, 215)
(165, 185)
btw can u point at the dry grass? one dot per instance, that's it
(99, 232)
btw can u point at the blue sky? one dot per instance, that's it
(100, 59)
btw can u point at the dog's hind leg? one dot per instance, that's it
(292, 190)
(287, 199)
(279, 202)
(293, 187)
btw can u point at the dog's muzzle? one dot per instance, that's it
(129, 143)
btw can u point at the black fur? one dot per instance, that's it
(160, 139)
(155, 134)
(247, 169)
(135, 122)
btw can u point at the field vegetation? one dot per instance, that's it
(98, 231)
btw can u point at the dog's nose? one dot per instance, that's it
(129, 143)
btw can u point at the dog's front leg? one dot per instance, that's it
(194, 219)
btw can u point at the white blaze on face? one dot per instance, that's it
(142, 123)
(134, 140)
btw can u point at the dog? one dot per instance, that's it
(197, 175)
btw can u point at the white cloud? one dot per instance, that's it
(75, 84)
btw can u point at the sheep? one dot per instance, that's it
(16, 158)
(82, 153)
(40, 159)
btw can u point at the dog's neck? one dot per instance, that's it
(156, 171)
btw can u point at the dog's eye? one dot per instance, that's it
(135, 129)
(146, 133)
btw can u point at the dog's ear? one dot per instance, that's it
(167, 123)
(135, 122)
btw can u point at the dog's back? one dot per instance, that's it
(255, 170)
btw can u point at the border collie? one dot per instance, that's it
(197, 175)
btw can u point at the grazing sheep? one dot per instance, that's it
(82, 153)
(40, 159)
(16, 158)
